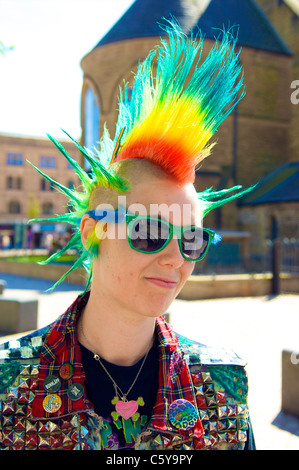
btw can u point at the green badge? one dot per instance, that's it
(52, 383)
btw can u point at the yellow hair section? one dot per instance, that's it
(171, 134)
(94, 238)
(183, 125)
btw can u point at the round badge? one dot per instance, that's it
(75, 391)
(182, 414)
(52, 383)
(52, 403)
(66, 371)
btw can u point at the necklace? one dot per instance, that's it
(123, 407)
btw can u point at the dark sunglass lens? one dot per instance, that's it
(148, 235)
(194, 243)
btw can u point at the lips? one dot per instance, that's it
(162, 282)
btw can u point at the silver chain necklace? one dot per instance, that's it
(125, 408)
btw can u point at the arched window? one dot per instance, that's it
(91, 121)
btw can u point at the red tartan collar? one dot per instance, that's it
(61, 349)
(62, 332)
(62, 335)
(175, 382)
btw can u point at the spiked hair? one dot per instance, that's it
(99, 175)
(169, 120)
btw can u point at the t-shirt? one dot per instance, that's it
(118, 432)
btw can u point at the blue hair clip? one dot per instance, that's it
(106, 215)
(217, 239)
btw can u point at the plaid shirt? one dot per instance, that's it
(61, 348)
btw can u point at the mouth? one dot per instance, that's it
(162, 282)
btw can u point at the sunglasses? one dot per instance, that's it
(151, 235)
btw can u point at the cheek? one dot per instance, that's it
(187, 270)
(124, 278)
(119, 262)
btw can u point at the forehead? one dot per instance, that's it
(163, 197)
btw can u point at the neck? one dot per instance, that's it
(118, 336)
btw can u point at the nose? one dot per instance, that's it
(171, 254)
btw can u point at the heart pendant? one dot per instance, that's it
(126, 409)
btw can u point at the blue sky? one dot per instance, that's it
(41, 78)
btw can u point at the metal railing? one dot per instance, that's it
(289, 257)
(229, 260)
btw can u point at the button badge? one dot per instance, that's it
(75, 391)
(183, 414)
(52, 383)
(52, 403)
(66, 371)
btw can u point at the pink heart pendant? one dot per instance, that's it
(126, 409)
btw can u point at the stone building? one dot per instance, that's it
(272, 210)
(254, 140)
(284, 15)
(25, 194)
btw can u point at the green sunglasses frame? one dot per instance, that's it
(173, 230)
(122, 216)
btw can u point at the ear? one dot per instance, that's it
(86, 226)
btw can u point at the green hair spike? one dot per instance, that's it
(213, 199)
(78, 204)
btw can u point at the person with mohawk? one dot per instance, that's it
(110, 374)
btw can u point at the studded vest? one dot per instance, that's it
(213, 381)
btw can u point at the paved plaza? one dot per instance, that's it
(257, 328)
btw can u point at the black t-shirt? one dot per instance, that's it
(116, 431)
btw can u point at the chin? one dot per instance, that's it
(161, 309)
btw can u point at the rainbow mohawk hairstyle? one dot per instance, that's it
(171, 117)
(168, 119)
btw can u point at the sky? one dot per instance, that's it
(41, 77)
(293, 4)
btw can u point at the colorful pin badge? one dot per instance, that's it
(52, 403)
(75, 391)
(52, 384)
(182, 414)
(66, 371)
